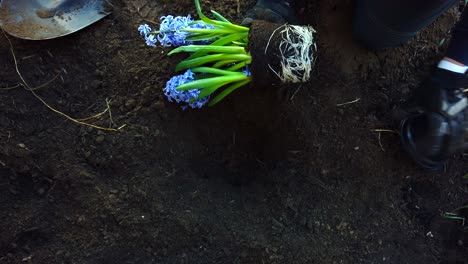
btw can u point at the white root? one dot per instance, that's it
(297, 49)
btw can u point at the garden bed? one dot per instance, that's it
(300, 173)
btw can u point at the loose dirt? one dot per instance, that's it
(282, 175)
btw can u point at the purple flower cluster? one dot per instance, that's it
(190, 97)
(170, 33)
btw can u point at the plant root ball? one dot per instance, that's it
(281, 53)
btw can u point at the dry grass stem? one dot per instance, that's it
(351, 102)
(32, 90)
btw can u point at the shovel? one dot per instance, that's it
(47, 19)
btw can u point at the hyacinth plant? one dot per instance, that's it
(218, 61)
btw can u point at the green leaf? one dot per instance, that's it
(203, 37)
(216, 22)
(221, 18)
(228, 91)
(454, 217)
(221, 42)
(214, 71)
(230, 38)
(191, 63)
(209, 49)
(220, 64)
(210, 82)
(210, 90)
(207, 91)
(450, 214)
(216, 30)
(239, 65)
(240, 44)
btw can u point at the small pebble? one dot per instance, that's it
(41, 191)
(27, 259)
(130, 103)
(100, 139)
(159, 105)
(96, 84)
(342, 226)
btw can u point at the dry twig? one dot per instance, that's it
(351, 102)
(380, 131)
(9, 87)
(32, 90)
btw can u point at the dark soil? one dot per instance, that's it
(267, 176)
(264, 34)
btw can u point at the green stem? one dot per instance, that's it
(228, 91)
(239, 65)
(220, 64)
(211, 89)
(230, 38)
(218, 23)
(209, 30)
(209, 49)
(220, 17)
(221, 42)
(214, 71)
(187, 64)
(211, 82)
(241, 44)
(202, 37)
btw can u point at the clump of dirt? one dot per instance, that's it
(43, 13)
(306, 173)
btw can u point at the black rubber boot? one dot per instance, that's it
(388, 23)
(438, 126)
(275, 11)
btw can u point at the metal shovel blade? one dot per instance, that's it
(46, 19)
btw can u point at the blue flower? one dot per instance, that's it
(144, 29)
(170, 31)
(189, 97)
(151, 40)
